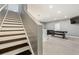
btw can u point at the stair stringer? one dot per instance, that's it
(27, 36)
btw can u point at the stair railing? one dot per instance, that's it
(4, 6)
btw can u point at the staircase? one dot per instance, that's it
(13, 39)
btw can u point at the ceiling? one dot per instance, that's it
(49, 12)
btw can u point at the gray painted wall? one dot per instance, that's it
(34, 31)
(13, 7)
(65, 25)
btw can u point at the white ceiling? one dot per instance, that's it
(55, 12)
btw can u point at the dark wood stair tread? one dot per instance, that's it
(13, 48)
(13, 26)
(27, 52)
(12, 30)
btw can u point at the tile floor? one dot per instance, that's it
(59, 46)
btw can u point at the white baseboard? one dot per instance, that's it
(73, 36)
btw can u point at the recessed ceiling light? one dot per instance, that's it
(55, 18)
(38, 14)
(58, 12)
(50, 6)
(65, 16)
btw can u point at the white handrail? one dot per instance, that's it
(2, 7)
(4, 18)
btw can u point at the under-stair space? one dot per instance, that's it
(13, 40)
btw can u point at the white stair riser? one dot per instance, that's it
(13, 32)
(11, 37)
(6, 45)
(13, 22)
